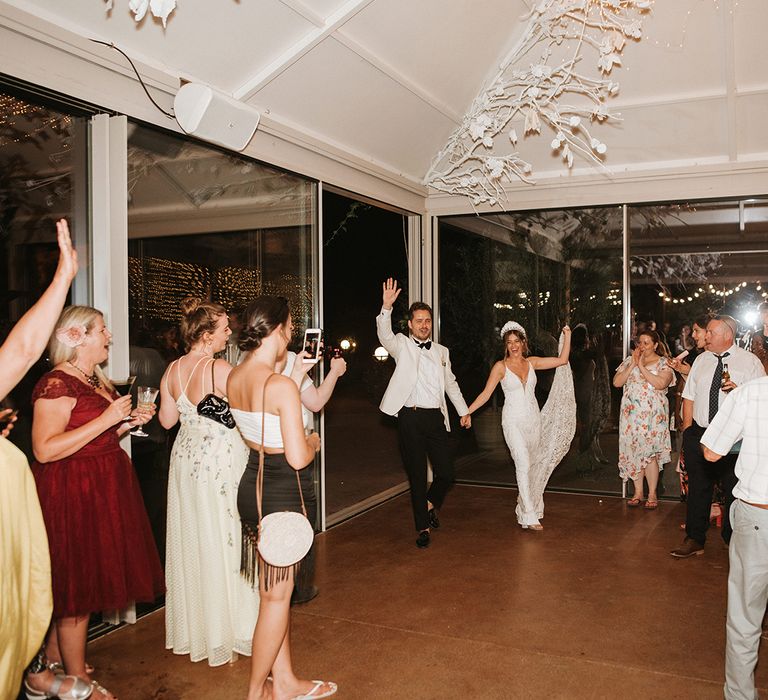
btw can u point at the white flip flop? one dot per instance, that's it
(313, 694)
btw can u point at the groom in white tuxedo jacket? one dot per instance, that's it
(416, 395)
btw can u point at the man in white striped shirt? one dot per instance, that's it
(744, 416)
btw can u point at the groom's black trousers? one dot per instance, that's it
(422, 434)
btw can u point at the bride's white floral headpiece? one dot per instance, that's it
(72, 336)
(511, 326)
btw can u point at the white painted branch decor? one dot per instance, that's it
(159, 8)
(555, 90)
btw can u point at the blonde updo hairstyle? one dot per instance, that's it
(261, 317)
(58, 352)
(198, 317)
(520, 336)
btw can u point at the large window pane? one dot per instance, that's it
(541, 269)
(206, 223)
(691, 259)
(42, 178)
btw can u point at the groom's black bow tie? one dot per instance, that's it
(426, 345)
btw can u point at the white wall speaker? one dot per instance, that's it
(215, 117)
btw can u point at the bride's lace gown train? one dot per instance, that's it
(537, 440)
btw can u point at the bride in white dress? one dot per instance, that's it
(210, 609)
(537, 440)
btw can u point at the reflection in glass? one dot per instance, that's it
(42, 175)
(205, 223)
(541, 269)
(688, 260)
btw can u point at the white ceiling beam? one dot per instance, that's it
(400, 78)
(337, 19)
(302, 10)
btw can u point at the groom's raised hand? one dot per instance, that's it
(389, 294)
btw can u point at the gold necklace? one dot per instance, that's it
(92, 379)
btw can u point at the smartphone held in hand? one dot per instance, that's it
(311, 346)
(682, 355)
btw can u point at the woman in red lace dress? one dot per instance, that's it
(103, 555)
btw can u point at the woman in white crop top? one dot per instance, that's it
(265, 337)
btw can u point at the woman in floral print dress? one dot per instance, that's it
(210, 610)
(644, 440)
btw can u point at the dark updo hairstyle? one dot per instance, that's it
(520, 336)
(198, 316)
(661, 346)
(703, 320)
(260, 318)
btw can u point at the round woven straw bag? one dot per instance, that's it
(285, 538)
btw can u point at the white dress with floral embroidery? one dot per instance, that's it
(643, 422)
(210, 610)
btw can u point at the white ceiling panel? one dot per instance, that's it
(339, 95)
(448, 47)
(224, 47)
(390, 83)
(673, 132)
(682, 51)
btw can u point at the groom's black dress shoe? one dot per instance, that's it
(434, 522)
(422, 540)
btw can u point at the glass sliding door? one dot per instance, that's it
(43, 178)
(363, 245)
(541, 269)
(690, 259)
(214, 225)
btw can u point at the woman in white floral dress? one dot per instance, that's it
(644, 440)
(210, 610)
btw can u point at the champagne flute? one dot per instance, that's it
(123, 387)
(146, 396)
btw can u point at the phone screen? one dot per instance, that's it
(312, 338)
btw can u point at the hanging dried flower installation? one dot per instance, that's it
(159, 8)
(556, 90)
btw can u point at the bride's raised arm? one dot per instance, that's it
(497, 372)
(551, 362)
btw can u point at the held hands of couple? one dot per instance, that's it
(389, 294)
(466, 421)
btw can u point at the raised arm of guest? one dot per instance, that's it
(26, 341)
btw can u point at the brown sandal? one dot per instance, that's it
(651, 505)
(634, 502)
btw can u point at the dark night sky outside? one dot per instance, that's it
(356, 260)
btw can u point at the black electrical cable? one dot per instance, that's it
(170, 115)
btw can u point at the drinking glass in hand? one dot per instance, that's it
(146, 396)
(123, 387)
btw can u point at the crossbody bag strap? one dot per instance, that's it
(260, 477)
(213, 377)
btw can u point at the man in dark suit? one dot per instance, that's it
(416, 395)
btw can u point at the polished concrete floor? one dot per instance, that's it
(592, 607)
